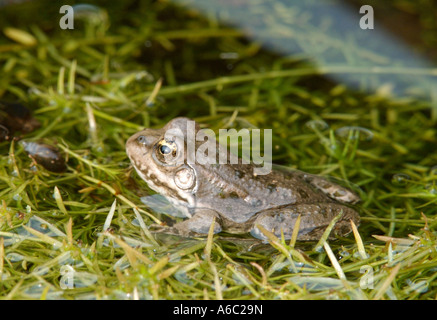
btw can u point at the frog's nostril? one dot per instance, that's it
(142, 139)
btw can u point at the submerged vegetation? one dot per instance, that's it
(83, 233)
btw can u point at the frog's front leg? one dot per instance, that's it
(314, 220)
(198, 224)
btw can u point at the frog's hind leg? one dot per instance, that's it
(314, 220)
(332, 189)
(198, 224)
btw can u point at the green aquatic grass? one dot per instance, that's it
(93, 87)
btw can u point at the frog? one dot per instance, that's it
(234, 197)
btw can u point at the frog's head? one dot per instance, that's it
(159, 157)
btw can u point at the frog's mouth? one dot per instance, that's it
(180, 200)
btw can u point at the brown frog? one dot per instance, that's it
(239, 199)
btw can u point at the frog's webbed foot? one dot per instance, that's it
(198, 225)
(160, 204)
(158, 228)
(314, 220)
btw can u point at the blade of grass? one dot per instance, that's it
(359, 241)
(318, 247)
(92, 125)
(144, 227)
(217, 284)
(131, 253)
(390, 253)
(334, 261)
(159, 265)
(274, 241)
(168, 272)
(150, 100)
(116, 120)
(109, 217)
(14, 290)
(43, 237)
(44, 292)
(61, 77)
(2, 254)
(119, 196)
(71, 77)
(59, 201)
(207, 252)
(186, 251)
(20, 36)
(209, 241)
(244, 280)
(400, 241)
(220, 82)
(261, 272)
(386, 284)
(51, 226)
(111, 172)
(69, 231)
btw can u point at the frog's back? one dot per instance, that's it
(237, 194)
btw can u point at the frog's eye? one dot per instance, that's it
(166, 152)
(166, 147)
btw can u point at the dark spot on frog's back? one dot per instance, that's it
(343, 230)
(239, 174)
(339, 193)
(303, 194)
(324, 212)
(256, 203)
(271, 187)
(233, 195)
(221, 194)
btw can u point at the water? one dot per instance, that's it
(14, 257)
(91, 14)
(317, 283)
(44, 227)
(400, 179)
(329, 32)
(431, 188)
(19, 234)
(35, 291)
(418, 285)
(354, 133)
(17, 197)
(182, 277)
(317, 125)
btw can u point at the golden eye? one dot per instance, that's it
(166, 147)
